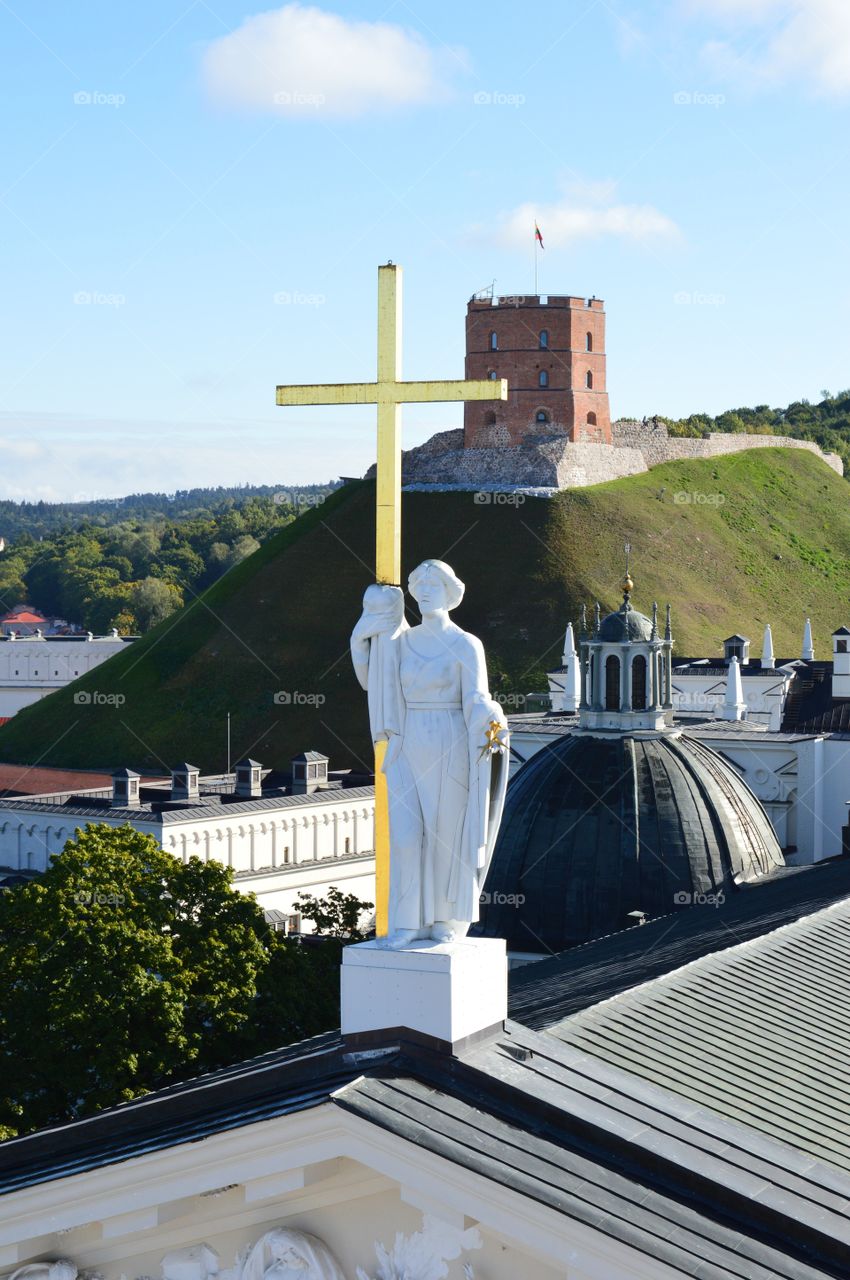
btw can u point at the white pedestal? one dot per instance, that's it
(446, 991)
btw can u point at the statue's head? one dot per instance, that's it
(434, 585)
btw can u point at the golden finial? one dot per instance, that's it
(627, 586)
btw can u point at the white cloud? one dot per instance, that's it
(303, 61)
(771, 42)
(587, 210)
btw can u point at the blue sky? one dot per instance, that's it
(194, 198)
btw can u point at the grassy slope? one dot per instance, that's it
(776, 547)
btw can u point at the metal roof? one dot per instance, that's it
(191, 812)
(759, 1033)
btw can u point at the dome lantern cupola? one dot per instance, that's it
(626, 669)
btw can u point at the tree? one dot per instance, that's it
(123, 968)
(338, 915)
(153, 600)
(119, 967)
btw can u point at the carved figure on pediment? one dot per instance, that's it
(61, 1269)
(288, 1254)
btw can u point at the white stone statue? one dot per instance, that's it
(423, 1255)
(287, 1254)
(446, 764)
(61, 1269)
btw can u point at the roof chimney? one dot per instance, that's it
(249, 780)
(184, 782)
(309, 772)
(125, 789)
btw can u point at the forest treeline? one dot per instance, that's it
(130, 564)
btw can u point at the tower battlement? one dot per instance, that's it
(551, 349)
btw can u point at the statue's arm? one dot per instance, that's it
(360, 646)
(479, 708)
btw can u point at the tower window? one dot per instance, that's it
(541, 416)
(588, 382)
(612, 684)
(492, 375)
(490, 419)
(494, 341)
(589, 341)
(543, 379)
(639, 683)
(591, 419)
(544, 339)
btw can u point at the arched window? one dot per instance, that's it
(492, 375)
(494, 341)
(639, 683)
(589, 341)
(591, 419)
(490, 419)
(543, 378)
(544, 339)
(588, 382)
(612, 683)
(541, 416)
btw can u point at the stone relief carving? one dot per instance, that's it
(424, 1255)
(288, 1254)
(60, 1269)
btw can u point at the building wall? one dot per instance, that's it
(575, 348)
(274, 854)
(765, 697)
(31, 667)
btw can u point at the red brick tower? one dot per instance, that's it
(552, 351)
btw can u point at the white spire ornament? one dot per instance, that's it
(572, 675)
(734, 706)
(808, 654)
(767, 658)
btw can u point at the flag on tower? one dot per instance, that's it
(538, 237)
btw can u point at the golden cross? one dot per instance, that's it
(389, 393)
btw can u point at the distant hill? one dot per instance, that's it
(41, 518)
(732, 543)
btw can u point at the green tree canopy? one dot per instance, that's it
(122, 968)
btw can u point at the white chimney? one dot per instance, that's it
(734, 706)
(808, 654)
(767, 658)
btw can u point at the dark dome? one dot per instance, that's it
(595, 828)
(625, 624)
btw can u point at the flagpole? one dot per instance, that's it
(535, 260)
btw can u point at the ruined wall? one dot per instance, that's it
(658, 446)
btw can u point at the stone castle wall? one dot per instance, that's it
(657, 445)
(554, 462)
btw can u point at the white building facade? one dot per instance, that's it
(278, 846)
(31, 667)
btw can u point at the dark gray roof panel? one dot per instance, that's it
(544, 993)
(759, 1033)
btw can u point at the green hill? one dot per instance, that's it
(732, 543)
